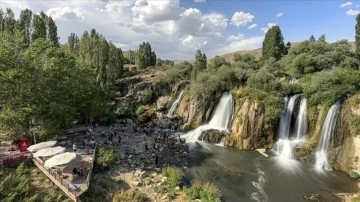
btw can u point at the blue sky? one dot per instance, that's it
(177, 28)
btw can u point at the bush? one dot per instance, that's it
(140, 110)
(203, 191)
(124, 110)
(354, 174)
(173, 176)
(356, 199)
(129, 196)
(173, 180)
(105, 156)
(144, 96)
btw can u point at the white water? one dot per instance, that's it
(283, 146)
(327, 132)
(301, 123)
(175, 104)
(220, 119)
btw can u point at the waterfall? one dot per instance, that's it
(327, 132)
(220, 120)
(175, 104)
(301, 122)
(283, 146)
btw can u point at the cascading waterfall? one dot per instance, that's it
(301, 122)
(327, 132)
(283, 145)
(220, 119)
(175, 104)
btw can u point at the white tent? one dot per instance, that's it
(41, 145)
(60, 159)
(51, 151)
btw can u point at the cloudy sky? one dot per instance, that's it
(177, 28)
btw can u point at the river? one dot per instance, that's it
(247, 175)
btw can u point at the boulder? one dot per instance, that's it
(212, 135)
(163, 102)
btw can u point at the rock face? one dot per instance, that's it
(212, 135)
(163, 102)
(194, 111)
(345, 153)
(247, 130)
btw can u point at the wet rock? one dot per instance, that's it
(312, 197)
(212, 135)
(163, 103)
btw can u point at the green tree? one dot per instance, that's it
(39, 23)
(273, 45)
(357, 36)
(312, 38)
(199, 64)
(25, 24)
(9, 21)
(322, 38)
(145, 57)
(52, 31)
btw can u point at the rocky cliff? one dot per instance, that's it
(195, 111)
(142, 97)
(345, 152)
(247, 130)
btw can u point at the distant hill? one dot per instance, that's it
(258, 52)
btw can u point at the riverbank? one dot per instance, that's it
(136, 168)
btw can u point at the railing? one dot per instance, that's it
(56, 178)
(92, 166)
(14, 158)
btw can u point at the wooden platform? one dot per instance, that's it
(73, 188)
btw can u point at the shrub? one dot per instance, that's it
(124, 110)
(173, 176)
(140, 110)
(105, 156)
(144, 96)
(173, 180)
(129, 196)
(354, 174)
(356, 199)
(203, 191)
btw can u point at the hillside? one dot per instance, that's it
(258, 52)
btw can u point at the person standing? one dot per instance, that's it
(74, 147)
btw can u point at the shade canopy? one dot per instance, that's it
(51, 151)
(60, 159)
(41, 145)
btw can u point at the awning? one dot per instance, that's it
(51, 151)
(61, 159)
(41, 145)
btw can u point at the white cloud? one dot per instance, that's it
(279, 14)
(150, 11)
(241, 19)
(343, 5)
(174, 31)
(269, 25)
(352, 12)
(199, 1)
(252, 26)
(239, 42)
(66, 13)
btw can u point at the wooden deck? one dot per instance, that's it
(73, 188)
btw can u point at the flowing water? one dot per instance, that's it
(220, 119)
(301, 123)
(284, 146)
(247, 176)
(327, 132)
(175, 105)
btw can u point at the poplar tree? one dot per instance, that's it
(357, 36)
(273, 45)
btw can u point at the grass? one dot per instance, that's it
(204, 191)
